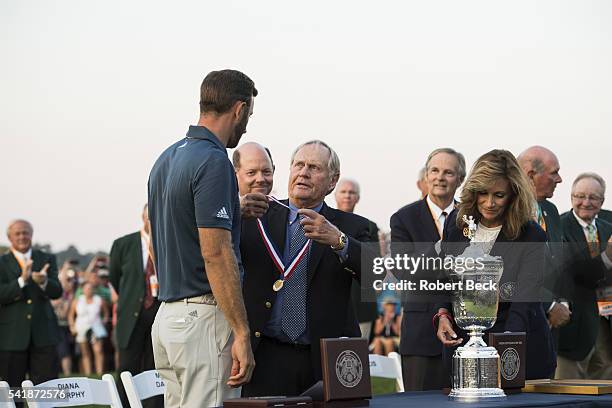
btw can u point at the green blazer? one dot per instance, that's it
(555, 239)
(584, 273)
(554, 228)
(26, 315)
(128, 278)
(605, 215)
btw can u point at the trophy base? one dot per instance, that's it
(476, 394)
(476, 373)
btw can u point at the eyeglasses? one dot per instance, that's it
(584, 197)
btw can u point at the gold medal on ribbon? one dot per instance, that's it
(278, 285)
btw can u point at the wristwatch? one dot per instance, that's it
(342, 241)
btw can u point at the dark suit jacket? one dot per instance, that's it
(329, 281)
(128, 278)
(413, 232)
(523, 265)
(365, 311)
(27, 313)
(605, 215)
(577, 338)
(554, 236)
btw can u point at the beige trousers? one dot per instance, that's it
(366, 329)
(191, 346)
(598, 363)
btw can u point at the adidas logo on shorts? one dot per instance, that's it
(222, 213)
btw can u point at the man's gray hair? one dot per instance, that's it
(422, 173)
(333, 164)
(534, 156)
(17, 221)
(352, 181)
(593, 176)
(460, 161)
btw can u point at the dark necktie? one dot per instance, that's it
(149, 271)
(294, 303)
(441, 222)
(444, 216)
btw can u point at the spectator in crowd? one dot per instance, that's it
(386, 330)
(195, 233)
(30, 333)
(422, 184)
(498, 196)
(347, 196)
(108, 346)
(61, 306)
(290, 314)
(414, 230)
(134, 279)
(87, 316)
(585, 343)
(97, 264)
(255, 175)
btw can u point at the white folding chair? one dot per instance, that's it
(387, 367)
(78, 391)
(5, 400)
(142, 386)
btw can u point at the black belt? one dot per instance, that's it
(296, 346)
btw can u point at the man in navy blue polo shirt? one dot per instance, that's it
(200, 334)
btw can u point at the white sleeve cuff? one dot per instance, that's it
(21, 282)
(606, 260)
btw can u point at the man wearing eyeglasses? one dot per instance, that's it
(585, 343)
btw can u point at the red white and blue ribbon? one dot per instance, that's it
(285, 272)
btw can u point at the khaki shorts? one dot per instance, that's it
(191, 346)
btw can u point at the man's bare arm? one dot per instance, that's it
(224, 278)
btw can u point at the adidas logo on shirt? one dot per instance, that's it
(222, 213)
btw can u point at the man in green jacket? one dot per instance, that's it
(133, 277)
(542, 168)
(29, 332)
(585, 346)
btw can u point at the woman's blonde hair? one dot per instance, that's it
(489, 168)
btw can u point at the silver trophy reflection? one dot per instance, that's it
(476, 374)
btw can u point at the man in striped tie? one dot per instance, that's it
(299, 260)
(29, 332)
(585, 343)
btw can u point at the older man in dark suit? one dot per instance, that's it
(585, 344)
(542, 168)
(318, 250)
(414, 230)
(134, 279)
(29, 332)
(347, 196)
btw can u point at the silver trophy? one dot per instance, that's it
(476, 374)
